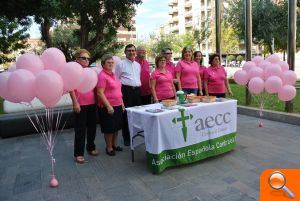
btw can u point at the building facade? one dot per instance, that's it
(126, 36)
(186, 15)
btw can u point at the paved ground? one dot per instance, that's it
(233, 176)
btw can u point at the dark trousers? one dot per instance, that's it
(85, 125)
(218, 95)
(146, 100)
(131, 97)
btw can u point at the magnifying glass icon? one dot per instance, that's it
(277, 181)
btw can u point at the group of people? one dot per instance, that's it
(130, 84)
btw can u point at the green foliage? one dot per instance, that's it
(91, 22)
(12, 37)
(176, 42)
(230, 41)
(269, 21)
(240, 58)
(230, 58)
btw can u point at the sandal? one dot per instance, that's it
(93, 153)
(117, 148)
(110, 153)
(80, 159)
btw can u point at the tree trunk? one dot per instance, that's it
(84, 32)
(45, 31)
(270, 48)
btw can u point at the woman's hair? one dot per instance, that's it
(106, 57)
(158, 58)
(211, 58)
(78, 52)
(164, 50)
(185, 49)
(195, 54)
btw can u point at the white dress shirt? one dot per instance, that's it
(129, 72)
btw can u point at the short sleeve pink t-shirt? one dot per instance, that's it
(170, 66)
(215, 77)
(145, 77)
(164, 84)
(188, 71)
(112, 88)
(87, 98)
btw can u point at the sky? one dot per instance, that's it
(150, 14)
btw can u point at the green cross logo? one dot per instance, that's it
(182, 119)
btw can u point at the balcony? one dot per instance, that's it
(170, 3)
(175, 9)
(188, 14)
(175, 19)
(189, 23)
(188, 4)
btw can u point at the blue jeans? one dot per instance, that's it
(190, 90)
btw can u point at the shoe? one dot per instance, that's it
(117, 148)
(93, 153)
(110, 153)
(127, 143)
(80, 159)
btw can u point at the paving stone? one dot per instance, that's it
(234, 176)
(27, 182)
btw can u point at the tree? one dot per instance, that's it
(200, 35)
(269, 20)
(13, 37)
(95, 21)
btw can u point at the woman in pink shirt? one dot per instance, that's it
(187, 72)
(198, 58)
(85, 110)
(110, 104)
(215, 78)
(161, 81)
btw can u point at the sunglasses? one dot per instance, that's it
(168, 53)
(84, 58)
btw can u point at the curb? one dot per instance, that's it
(283, 117)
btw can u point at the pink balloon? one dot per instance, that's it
(53, 182)
(88, 81)
(257, 59)
(12, 68)
(273, 58)
(71, 74)
(272, 70)
(51, 103)
(53, 59)
(31, 62)
(284, 65)
(21, 85)
(263, 64)
(255, 72)
(241, 77)
(287, 93)
(248, 65)
(289, 77)
(273, 84)
(256, 85)
(48, 86)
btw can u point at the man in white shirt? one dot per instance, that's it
(129, 72)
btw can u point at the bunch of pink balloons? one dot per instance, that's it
(270, 74)
(46, 77)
